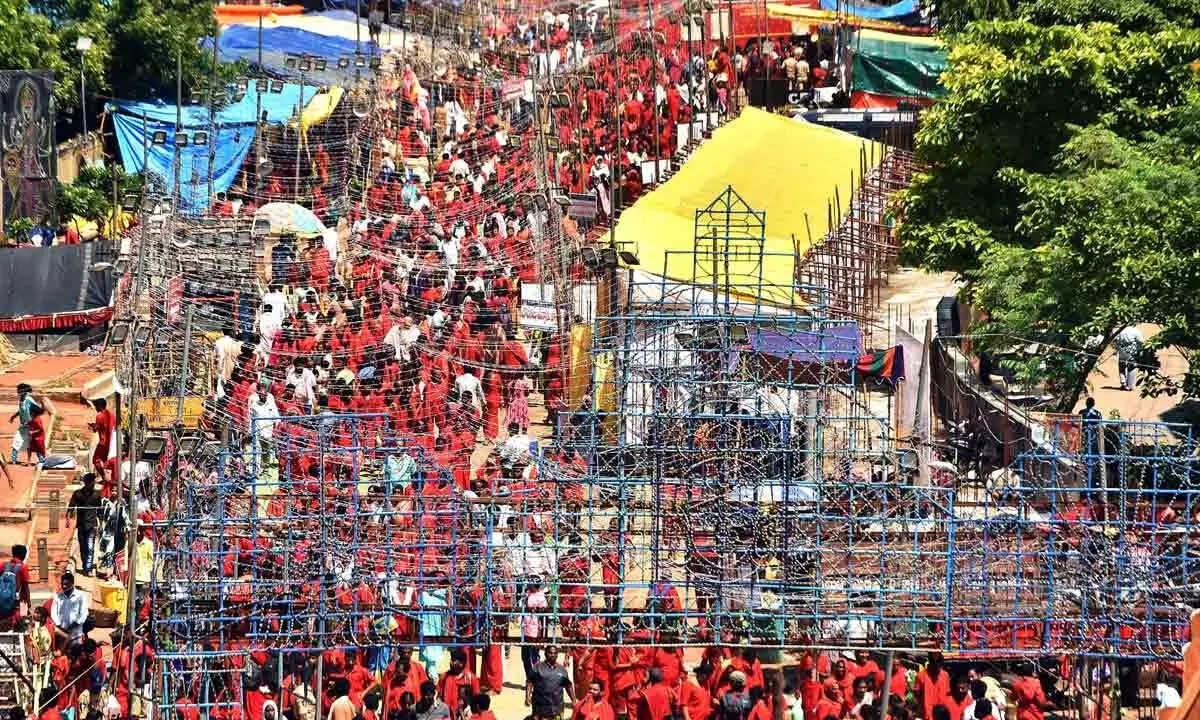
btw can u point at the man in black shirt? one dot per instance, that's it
(84, 507)
(545, 686)
(1092, 425)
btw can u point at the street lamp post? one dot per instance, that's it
(83, 43)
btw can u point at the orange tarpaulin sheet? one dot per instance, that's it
(863, 100)
(226, 14)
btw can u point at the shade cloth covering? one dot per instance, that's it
(891, 64)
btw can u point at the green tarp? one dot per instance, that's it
(890, 64)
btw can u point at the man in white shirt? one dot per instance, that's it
(450, 250)
(516, 447)
(403, 337)
(141, 473)
(459, 167)
(1168, 692)
(469, 389)
(226, 350)
(263, 412)
(69, 610)
(979, 691)
(306, 383)
(531, 556)
(795, 703)
(1129, 346)
(278, 300)
(269, 326)
(421, 202)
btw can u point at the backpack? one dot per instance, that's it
(8, 588)
(734, 706)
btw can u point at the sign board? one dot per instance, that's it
(539, 311)
(583, 206)
(686, 133)
(511, 90)
(537, 307)
(648, 176)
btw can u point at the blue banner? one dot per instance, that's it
(873, 12)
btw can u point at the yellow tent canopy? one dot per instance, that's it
(782, 168)
(918, 40)
(816, 16)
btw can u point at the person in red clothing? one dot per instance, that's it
(840, 674)
(695, 702)
(458, 685)
(670, 661)
(37, 434)
(626, 674)
(594, 706)
(932, 686)
(656, 701)
(16, 566)
(49, 708)
(830, 704)
(186, 708)
(811, 691)
(898, 685)
(761, 705)
(102, 425)
(481, 707)
(959, 697)
(256, 700)
(864, 665)
(71, 233)
(746, 663)
(1028, 694)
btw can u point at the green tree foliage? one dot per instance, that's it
(1110, 239)
(90, 196)
(1062, 181)
(150, 46)
(1129, 15)
(30, 41)
(135, 48)
(954, 15)
(1015, 90)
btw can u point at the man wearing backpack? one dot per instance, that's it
(14, 587)
(735, 703)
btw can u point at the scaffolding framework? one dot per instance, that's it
(854, 258)
(729, 483)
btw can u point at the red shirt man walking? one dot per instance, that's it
(14, 587)
(594, 706)
(103, 426)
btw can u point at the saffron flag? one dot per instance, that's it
(884, 364)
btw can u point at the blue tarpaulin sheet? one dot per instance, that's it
(232, 134)
(229, 145)
(279, 107)
(872, 12)
(240, 42)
